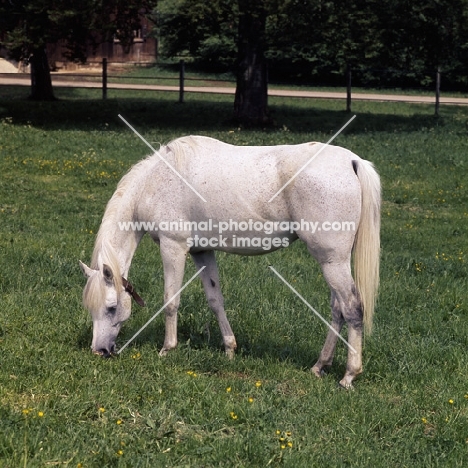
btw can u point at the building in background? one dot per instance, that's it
(143, 51)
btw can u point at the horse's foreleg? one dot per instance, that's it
(211, 285)
(173, 257)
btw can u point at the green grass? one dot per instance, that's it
(59, 165)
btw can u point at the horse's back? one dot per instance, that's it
(238, 181)
(207, 158)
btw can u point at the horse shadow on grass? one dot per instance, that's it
(204, 347)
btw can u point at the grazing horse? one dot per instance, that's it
(254, 199)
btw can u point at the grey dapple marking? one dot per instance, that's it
(237, 182)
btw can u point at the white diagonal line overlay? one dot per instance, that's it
(162, 159)
(311, 159)
(161, 309)
(312, 309)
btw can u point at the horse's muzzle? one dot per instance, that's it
(105, 353)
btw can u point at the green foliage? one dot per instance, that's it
(206, 31)
(318, 37)
(386, 42)
(421, 36)
(60, 405)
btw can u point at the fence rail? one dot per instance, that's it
(105, 81)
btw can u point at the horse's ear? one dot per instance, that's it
(86, 270)
(108, 275)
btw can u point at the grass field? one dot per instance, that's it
(62, 406)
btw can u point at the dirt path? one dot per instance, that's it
(58, 82)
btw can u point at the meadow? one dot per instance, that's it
(62, 406)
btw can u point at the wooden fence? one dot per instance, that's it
(105, 81)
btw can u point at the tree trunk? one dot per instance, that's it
(41, 82)
(251, 101)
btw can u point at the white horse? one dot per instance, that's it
(237, 183)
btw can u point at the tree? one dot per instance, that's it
(251, 101)
(224, 35)
(28, 26)
(295, 37)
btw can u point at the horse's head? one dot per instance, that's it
(105, 297)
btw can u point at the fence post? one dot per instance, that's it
(437, 102)
(348, 87)
(181, 81)
(104, 78)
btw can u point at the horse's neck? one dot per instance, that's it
(125, 244)
(123, 238)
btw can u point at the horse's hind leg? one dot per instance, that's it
(328, 350)
(346, 307)
(210, 280)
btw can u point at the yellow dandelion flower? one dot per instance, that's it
(424, 420)
(288, 434)
(290, 444)
(258, 383)
(233, 415)
(120, 453)
(228, 389)
(101, 409)
(451, 401)
(80, 465)
(251, 400)
(278, 432)
(118, 422)
(25, 411)
(40, 414)
(283, 447)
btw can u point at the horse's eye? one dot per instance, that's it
(111, 310)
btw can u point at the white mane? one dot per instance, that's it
(103, 252)
(180, 149)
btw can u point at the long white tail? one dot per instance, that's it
(367, 242)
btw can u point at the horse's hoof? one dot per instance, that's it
(345, 385)
(230, 353)
(318, 372)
